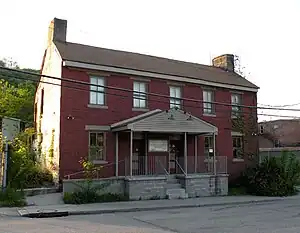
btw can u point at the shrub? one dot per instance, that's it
(274, 176)
(81, 197)
(12, 198)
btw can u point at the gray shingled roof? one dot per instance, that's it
(128, 60)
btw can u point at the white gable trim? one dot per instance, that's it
(155, 75)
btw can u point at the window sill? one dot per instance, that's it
(209, 114)
(99, 162)
(97, 106)
(140, 109)
(237, 160)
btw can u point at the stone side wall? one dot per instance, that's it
(204, 185)
(116, 185)
(143, 188)
(222, 185)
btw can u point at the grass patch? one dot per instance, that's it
(82, 197)
(237, 191)
(12, 198)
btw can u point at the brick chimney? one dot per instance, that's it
(225, 62)
(57, 30)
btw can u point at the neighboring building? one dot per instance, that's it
(10, 127)
(279, 133)
(136, 133)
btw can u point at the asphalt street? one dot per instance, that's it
(278, 217)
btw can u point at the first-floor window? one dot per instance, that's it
(209, 146)
(96, 146)
(237, 143)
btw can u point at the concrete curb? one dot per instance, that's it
(58, 213)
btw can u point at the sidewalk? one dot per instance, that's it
(133, 206)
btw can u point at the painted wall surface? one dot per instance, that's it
(76, 114)
(49, 122)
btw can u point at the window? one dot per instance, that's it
(236, 101)
(97, 93)
(261, 129)
(208, 146)
(208, 98)
(237, 144)
(42, 102)
(276, 143)
(96, 146)
(139, 95)
(175, 97)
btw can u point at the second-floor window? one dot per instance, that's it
(97, 93)
(208, 99)
(175, 97)
(139, 95)
(236, 101)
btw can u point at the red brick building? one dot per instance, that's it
(138, 131)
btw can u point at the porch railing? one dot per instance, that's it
(147, 165)
(205, 165)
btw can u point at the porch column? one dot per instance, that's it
(117, 154)
(196, 153)
(146, 153)
(214, 146)
(185, 153)
(130, 155)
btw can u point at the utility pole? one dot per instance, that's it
(4, 181)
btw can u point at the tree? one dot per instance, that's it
(238, 68)
(17, 92)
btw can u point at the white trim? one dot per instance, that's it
(236, 134)
(155, 75)
(97, 128)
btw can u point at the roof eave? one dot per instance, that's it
(76, 64)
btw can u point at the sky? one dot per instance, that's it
(263, 33)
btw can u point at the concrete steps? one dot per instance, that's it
(178, 193)
(174, 189)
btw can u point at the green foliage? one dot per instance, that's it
(23, 169)
(89, 192)
(79, 197)
(17, 95)
(12, 198)
(274, 176)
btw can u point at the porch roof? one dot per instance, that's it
(168, 121)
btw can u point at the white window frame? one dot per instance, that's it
(175, 97)
(208, 105)
(97, 92)
(240, 149)
(140, 94)
(96, 158)
(236, 102)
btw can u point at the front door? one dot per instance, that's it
(138, 157)
(176, 153)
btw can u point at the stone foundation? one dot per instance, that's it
(116, 185)
(201, 185)
(154, 187)
(142, 188)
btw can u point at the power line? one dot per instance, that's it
(148, 93)
(150, 100)
(279, 106)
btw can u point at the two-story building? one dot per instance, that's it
(139, 115)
